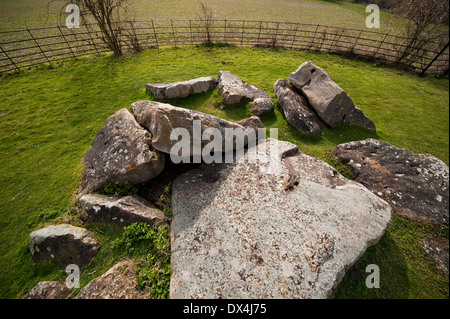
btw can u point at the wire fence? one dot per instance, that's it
(24, 48)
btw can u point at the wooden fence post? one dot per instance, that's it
(92, 40)
(381, 44)
(259, 33)
(68, 45)
(314, 38)
(356, 41)
(294, 37)
(10, 59)
(173, 32)
(156, 37)
(434, 59)
(37, 44)
(242, 35)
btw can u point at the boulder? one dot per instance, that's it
(358, 118)
(65, 244)
(49, 290)
(416, 185)
(119, 211)
(276, 224)
(253, 122)
(262, 106)
(182, 89)
(327, 98)
(161, 119)
(233, 90)
(297, 109)
(121, 153)
(116, 283)
(437, 250)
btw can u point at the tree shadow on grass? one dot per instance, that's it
(394, 282)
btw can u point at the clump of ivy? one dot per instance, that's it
(153, 269)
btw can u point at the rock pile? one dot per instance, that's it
(312, 101)
(275, 223)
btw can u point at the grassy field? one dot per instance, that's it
(20, 14)
(49, 117)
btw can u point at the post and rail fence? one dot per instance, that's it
(21, 49)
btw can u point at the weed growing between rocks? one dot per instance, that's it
(153, 267)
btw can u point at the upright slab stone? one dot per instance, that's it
(121, 153)
(182, 89)
(63, 243)
(277, 224)
(416, 185)
(161, 119)
(297, 109)
(233, 90)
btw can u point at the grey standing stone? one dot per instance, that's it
(285, 226)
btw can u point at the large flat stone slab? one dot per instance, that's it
(162, 119)
(416, 185)
(287, 226)
(181, 89)
(121, 153)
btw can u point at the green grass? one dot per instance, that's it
(49, 117)
(20, 14)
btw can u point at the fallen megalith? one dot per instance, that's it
(415, 185)
(119, 211)
(297, 109)
(65, 244)
(121, 153)
(233, 90)
(181, 89)
(116, 283)
(162, 119)
(276, 224)
(329, 100)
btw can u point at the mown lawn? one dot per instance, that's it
(49, 117)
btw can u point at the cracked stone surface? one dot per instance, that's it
(182, 89)
(119, 211)
(49, 290)
(63, 243)
(276, 224)
(415, 185)
(121, 153)
(116, 283)
(233, 90)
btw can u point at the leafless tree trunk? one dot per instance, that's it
(207, 18)
(424, 28)
(112, 18)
